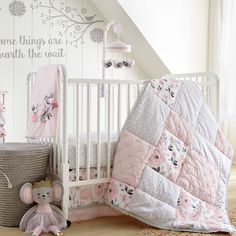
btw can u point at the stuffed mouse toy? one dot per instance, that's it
(44, 217)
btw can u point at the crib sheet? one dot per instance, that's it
(93, 150)
(88, 195)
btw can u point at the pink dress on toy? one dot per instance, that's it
(45, 216)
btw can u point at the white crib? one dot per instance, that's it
(86, 113)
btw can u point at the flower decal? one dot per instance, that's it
(44, 112)
(96, 35)
(17, 8)
(84, 11)
(71, 21)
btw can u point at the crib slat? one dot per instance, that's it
(56, 156)
(29, 78)
(83, 110)
(113, 107)
(128, 100)
(58, 137)
(88, 128)
(98, 130)
(109, 133)
(137, 90)
(77, 132)
(118, 110)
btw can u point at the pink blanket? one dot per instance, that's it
(2, 121)
(172, 162)
(44, 102)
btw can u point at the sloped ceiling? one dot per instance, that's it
(142, 52)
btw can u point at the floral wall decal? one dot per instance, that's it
(72, 22)
(17, 8)
(96, 35)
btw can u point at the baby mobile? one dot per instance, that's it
(117, 47)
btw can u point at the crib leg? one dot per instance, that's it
(65, 181)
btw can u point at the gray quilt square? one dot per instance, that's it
(148, 117)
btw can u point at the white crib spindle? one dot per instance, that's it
(88, 128)
(138, 89)
(77, 132)
(128, 100)
(55, 157)
(113, 106)
(209, 94)
(29, 78)
(83, 110)
(109, 133)
(98, 130)
(119, 109)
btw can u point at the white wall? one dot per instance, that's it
(81, 60)
(176, 29)
(148, 59)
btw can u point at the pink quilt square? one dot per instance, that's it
(179, 127)
(131, 157)
(199, 177)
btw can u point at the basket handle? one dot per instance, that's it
(9, 184)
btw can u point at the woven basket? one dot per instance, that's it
(21, 162)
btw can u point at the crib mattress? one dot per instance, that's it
(93, 150)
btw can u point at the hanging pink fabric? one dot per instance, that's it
(44, 102)
(2, 121)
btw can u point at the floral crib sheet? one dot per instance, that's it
(89, 195)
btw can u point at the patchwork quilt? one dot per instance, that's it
(172, 162)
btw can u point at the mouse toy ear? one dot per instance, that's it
(58, 190)
(26, 193)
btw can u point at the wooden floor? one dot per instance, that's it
(116, 226)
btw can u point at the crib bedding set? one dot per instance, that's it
(89, 195)
(172, 162)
